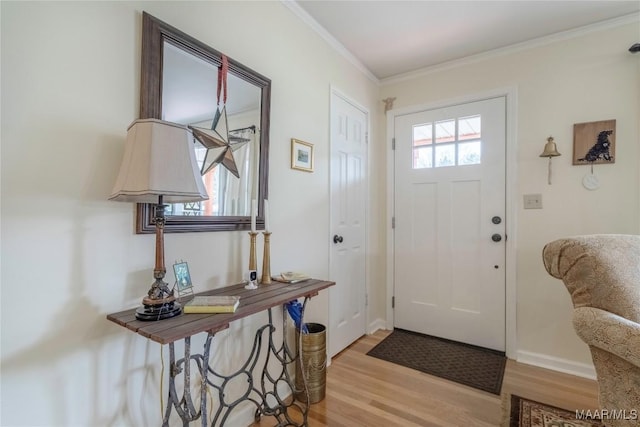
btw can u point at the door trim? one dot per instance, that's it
(333, 91)
(510, 94)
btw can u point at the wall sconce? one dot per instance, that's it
(550, 151)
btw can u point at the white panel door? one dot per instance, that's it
(347, 320)
(449, 242)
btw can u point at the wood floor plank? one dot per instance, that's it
(369, 392)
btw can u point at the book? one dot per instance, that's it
(212, 304)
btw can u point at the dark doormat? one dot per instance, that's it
(466, 364)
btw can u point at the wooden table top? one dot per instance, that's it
(251, 301)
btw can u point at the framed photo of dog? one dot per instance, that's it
(594, 143)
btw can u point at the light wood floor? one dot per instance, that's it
(365, 391)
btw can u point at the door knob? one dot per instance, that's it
(496, 220)
(496, 237)
(337, 239)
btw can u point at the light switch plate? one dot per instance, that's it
(532, 201)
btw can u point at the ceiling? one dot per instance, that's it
(391, 38)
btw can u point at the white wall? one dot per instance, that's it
(70, 88)
(585, 78)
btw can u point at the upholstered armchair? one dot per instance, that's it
(602, 274)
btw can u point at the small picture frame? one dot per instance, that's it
(183, 278)
(301, 155)
(594, 142)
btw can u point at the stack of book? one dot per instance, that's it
(212, 304)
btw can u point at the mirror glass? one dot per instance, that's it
(189, 97)
(179, 83)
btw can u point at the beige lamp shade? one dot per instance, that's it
(159, 160)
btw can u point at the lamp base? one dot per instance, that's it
(159, 311)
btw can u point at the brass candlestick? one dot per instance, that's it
(266, 260)
(253, 265)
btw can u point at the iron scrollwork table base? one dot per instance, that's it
(264, 394)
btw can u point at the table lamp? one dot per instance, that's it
(158, 166)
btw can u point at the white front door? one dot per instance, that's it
(449, 240)
(347, 319)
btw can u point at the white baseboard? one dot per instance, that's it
(584, 370)
(241, 417)
(375, 325)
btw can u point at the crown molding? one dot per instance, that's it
(518, 47)
(332, 41)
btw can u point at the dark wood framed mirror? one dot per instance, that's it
(179, 84)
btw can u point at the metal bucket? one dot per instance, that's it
(314, 358)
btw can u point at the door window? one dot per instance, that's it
(451, 142)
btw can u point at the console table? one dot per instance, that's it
(264, 396)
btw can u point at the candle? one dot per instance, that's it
(253, 215)
(266, 215)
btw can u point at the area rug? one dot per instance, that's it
(466, 364)
(528, 413)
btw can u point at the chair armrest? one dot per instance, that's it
(608, 332)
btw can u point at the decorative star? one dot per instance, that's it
(216, 141)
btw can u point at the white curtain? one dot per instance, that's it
(236, 193)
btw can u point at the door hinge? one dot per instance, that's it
(366, 300)
(393, 222)
(393, 302)
(366, 137)
(393, 143)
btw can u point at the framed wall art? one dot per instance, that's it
(301, 155)
(594, 142)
